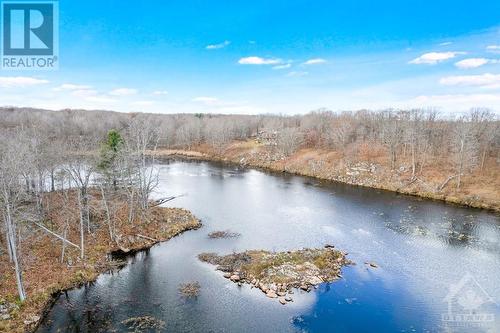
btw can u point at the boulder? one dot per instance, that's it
(271, 294)
(282, 300)
(234, 278)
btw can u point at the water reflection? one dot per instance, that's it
(421, 248)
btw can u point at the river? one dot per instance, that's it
(421, 247)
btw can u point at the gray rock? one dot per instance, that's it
(271, 294)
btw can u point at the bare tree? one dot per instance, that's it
(142, 141)
(289, 139)
(13, 158)
(465, 147)
(81, 165)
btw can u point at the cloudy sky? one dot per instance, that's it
(268, 56)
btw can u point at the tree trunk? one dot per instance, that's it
(82, 223)
(12, 246)
(108, 215)
(460, 164)
(52, 181)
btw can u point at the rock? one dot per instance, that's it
(234, 278)
(371, 264)
(304, 287)
(227, 275)
(239, 284)
(271, 294)
(282, 300)
(5, 316)
(314, 280)
(32, 319)
(329, 246)
(281, 293)
(288, 299)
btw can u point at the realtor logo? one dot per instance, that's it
(29, 35)
(469, 305)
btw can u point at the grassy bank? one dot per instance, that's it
(366, 168)
(45, 274)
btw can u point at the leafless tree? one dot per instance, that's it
(13, 158)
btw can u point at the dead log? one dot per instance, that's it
(146, 237)
(161, 201)
(440, 188)
(55, 235)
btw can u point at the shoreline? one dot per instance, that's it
(28, 317)
(274, 168)
(120, 265)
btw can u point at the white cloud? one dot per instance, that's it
(218, 46)
(314, 61)
(160, 92)
(100, 99)
(487, 81)
(70, 86)
(207, 100)
(297, 74)
(259, 61)
(473, 63)
(19, 81)
(143, 103)
(123, 92)
(445, 43)
(433, 58)
(84, 93)
(493, 48)
(457, 101)
(285, 66)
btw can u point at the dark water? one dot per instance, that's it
(422, 248)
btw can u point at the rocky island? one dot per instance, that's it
(276, 274)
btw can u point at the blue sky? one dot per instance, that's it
(268, 56)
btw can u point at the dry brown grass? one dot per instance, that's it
(43, 272)
(480, 189)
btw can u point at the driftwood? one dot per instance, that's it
(411, 181)
(146, 237)
(440, 188)
(161, 201)
(56, 235)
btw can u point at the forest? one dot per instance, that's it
(85, 156)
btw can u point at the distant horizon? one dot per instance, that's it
(268, 57)
(441, 114)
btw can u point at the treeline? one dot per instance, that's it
(45, 154)
(415, 137)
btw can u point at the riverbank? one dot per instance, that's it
(46, 274)
(369, 169)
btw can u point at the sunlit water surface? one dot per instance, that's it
(421, 247)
